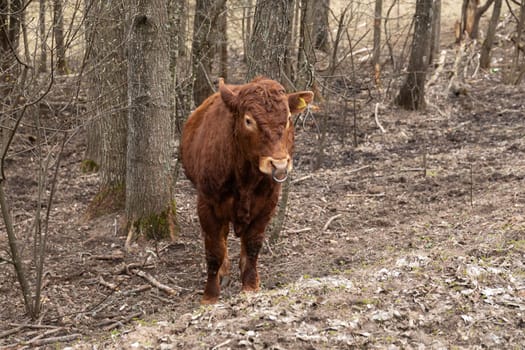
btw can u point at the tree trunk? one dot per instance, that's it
(517, 70)
(10, 19)
(436, 31)
(93, 153)
(58, 30)
(306, 55)
(377, 32)
(268, 50)
(10, 16)
(222, 42)
(42, 65)
(108, 92)
(484, 60)
(471, 15)
(180, 65)
(203, 47)
(150, 208)
(412, 94)
(321, 25)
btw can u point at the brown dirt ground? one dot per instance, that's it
(414, 239)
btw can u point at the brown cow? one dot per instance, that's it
(237, 149)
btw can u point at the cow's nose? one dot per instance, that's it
(280, 164)
(280, 169)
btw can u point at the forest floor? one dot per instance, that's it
(413, 239)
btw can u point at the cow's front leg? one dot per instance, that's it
(252, 237)
(250, 246)
(215, 233)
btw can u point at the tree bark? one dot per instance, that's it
(180, 64)
(435, 36)
(42, 65)
(203, 47)
(471, 15)
(222, 42)
(321, 25)
(484, 60)
(517, 70)
(306, 55)
(150, 209)
(377, 32)
(412, 94)
(108, 92)
(58, 30)
(10, 20)
(268, 50)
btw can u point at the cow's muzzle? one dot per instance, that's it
(278, 168)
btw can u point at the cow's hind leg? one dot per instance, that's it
(215, 233)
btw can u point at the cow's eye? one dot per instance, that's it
(249, 122)
(288, 121)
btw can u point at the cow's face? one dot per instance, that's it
(264, 127)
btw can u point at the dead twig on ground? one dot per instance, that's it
(121, 322)
(376, 118)
(114, 256)
(300, 230)
(137, 290)
(218, 346)
(52, 340)
(12, 331)
(325, 227)
(44, 335)
(356, 170)
(126, 269)
(166, 289)
(302, 179)
(103, 282)
(366, 195)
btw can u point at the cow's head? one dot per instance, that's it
(264, 128)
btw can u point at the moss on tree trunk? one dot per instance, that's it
(107, 200)
(155, 226)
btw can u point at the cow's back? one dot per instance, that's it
(207, 144)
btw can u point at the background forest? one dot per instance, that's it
(403, 225)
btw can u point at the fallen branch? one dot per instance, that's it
(166, 289)
(376, 117)
(52, 340)
(123, 321)
(111, 286)
(302, 179)
(44, 335)
(12, 331)
(325, 227)
(34, 326)
(366, 195)
(115, 256)
(356, 170)
(139, 289)
(218, 346)
(127, 269)
(300, 230)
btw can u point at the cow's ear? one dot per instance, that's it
(298, 101)
(228, 96)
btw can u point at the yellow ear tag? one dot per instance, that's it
(302, 103)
